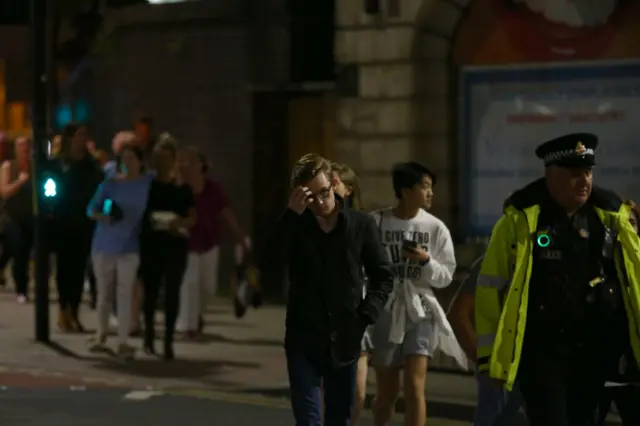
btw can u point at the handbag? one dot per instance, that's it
(245, 283)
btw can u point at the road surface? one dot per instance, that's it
(109, 407)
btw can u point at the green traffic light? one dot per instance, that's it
(50, 188)
(544, 240)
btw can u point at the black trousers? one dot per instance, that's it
(5, 256)
(162, 268)
(72, 248)
(564, 390)
(19, 240)
(627, 400)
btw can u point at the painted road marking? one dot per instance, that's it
(141, 395)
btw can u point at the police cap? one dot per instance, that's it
(576, 150)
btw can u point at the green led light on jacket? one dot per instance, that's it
(544, 240)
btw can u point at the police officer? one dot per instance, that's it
(567, 258)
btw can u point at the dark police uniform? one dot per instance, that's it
(576, 322)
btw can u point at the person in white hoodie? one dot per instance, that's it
(413, 324)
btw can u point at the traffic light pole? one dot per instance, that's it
(39, 124)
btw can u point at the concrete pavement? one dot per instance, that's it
(233, 355)
(243, 358)
(235, 371)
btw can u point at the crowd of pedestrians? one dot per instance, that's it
(140, 225)
(145, 224)
(362, 294)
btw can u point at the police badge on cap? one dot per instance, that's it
(576, 150)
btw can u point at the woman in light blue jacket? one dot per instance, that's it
(118, 207)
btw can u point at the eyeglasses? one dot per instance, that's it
(323, 194)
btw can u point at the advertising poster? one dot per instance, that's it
(506, 112)
(533, 31)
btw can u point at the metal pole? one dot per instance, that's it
(39, 123)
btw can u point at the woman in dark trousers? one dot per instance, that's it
(170, 215)
(17, 192)
(79, 176)
(625, 395)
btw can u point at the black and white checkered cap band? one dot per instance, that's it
(559, 155)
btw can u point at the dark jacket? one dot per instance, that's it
(78, 181)
(326, 312)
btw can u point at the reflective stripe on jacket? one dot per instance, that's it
(500, 324)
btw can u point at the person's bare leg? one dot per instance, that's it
(387, 390)
(361, 387)
(415, 376)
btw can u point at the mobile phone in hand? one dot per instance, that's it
(107, 206)
(409, 245)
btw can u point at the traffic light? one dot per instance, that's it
(49, 188)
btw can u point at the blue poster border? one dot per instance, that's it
(472, 76)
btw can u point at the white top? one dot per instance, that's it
(414, 282)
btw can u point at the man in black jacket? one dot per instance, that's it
(324, 246)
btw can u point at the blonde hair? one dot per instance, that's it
(350, 181)
(166, 137)
(308, 167)
(166, 142)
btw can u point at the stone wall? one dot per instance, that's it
(404, 108)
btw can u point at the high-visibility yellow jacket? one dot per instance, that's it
(503, 285)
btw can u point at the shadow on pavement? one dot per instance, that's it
(159, 322)
(155, 368)
(208, 337)
(236, 323)
(219, 309)
(177, 369)
(62, 350)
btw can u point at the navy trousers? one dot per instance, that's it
(308, 380)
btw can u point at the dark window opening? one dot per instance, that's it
(14, 12)
(312, 35)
